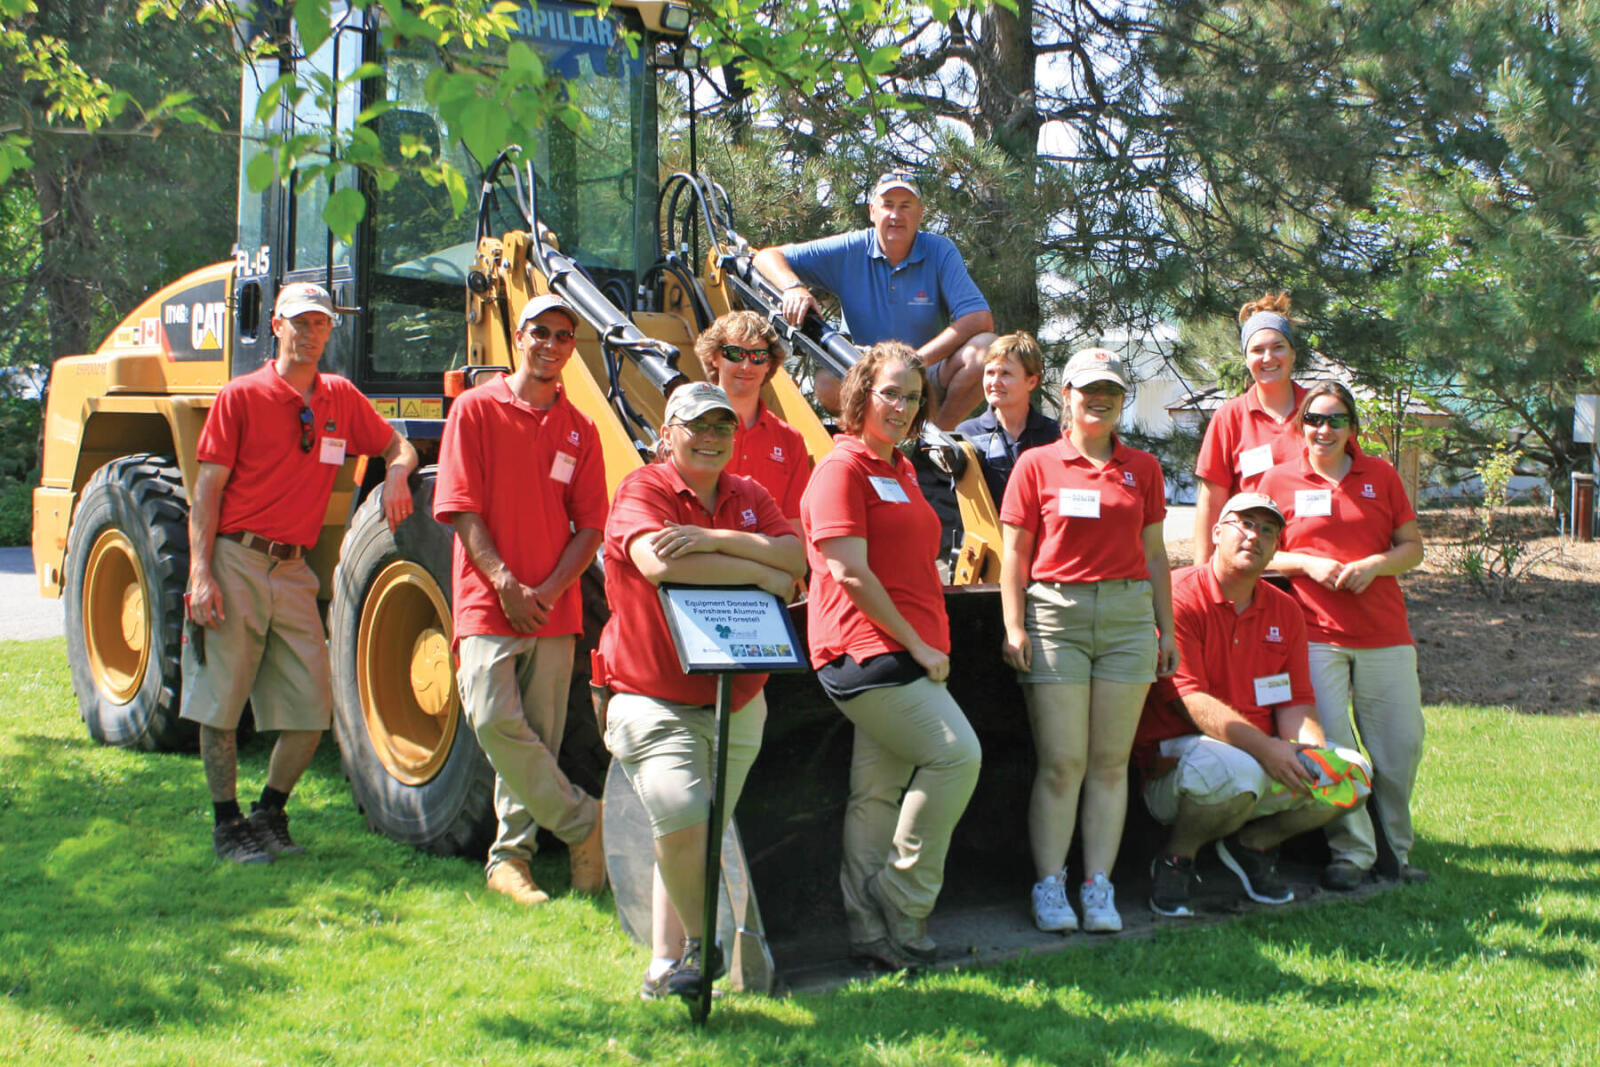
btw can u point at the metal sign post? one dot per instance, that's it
(725, 631)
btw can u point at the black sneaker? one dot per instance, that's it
(1257, 871)
(685, 978)
(272, 828)
(237, 842)
(1170, 878)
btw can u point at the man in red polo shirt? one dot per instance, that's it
(1220, 742)
(522, 479)
(269, 451)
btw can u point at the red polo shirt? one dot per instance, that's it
(276, 489)
(1364, 510)
(535, 475)
(1222, 653)
(774, 454)
(1240, 426)
(635, 646)
(1087, 522)
(854, 493)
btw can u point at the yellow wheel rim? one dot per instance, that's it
(404, 673)
(116, 616)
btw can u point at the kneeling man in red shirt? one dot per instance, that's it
(1220, 742)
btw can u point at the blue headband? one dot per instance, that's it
(1265, 320)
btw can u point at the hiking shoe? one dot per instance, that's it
(272, 829)
(236, 842)
(1409, 875)
(908, 935)
(1051, 912)
(655, 988)
(880, 953)
(1099, 900)
(1342, 876)
(1170, 879)
(1257, 871)
(687, 976)
(588, 859)
(513, 878)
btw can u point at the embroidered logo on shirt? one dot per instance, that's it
(922, 298)
(1127, 478)
(1368, 492)
(777, 453)
(1274, 635)
(748, 518)
(330, 427)
(573, 438)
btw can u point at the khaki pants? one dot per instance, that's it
(270, 647)
(514, 692)
(1370, 698)
(913, 769)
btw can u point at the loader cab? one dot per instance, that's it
(406, 270)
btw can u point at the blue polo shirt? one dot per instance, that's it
(997, 452)
(911, 302)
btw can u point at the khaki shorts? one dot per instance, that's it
(666, 750)
(270, 648)
(1214, 772)
(1086, 630)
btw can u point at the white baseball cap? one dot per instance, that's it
(301, 297)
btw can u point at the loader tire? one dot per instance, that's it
(414, 766)
(126, 569)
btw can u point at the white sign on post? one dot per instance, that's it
(730, 629)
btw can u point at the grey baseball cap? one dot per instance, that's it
(546, 302)
(1240, 502)
(695, 399)
(1095, 365)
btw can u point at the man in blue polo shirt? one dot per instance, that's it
(894, 284)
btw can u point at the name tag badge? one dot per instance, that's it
(1079, 503)
(889, 489)
(562, 467)
(332, 450)
(1273, 689)
(1313, 502)
(1253, 461)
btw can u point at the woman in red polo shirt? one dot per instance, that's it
(684, 520)
(880, 642)
(740, 353)
(1085, 588)
(1254, 430)
(1350, 531)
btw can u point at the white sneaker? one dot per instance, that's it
(1051, 912)
(1099, 905)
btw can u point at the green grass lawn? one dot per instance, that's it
(121, 941)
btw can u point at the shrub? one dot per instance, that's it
(1494, 557)
(16, 510)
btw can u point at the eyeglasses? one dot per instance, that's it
(306, 429)
(1340, 421)
(1262, 530)
(544, 333)
(758, 357)
(896, 399)
(721, 429)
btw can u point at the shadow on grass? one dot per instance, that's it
(118, 914)
(1333, 956)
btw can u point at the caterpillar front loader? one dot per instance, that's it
(431, 300)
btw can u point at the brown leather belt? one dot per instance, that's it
(275, 549)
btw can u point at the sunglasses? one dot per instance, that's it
(306, 429)
(758, 357)
(721, 429)
(544, 333)
(1340, 421)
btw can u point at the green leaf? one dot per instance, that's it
(311, 18)
(483, 126)
(261, 171)
(344, 211)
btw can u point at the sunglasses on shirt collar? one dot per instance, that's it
(307, 431)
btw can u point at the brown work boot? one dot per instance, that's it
(589, 859)
(513, 878)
